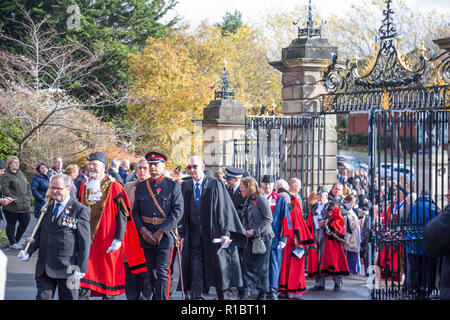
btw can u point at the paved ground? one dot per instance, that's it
(20, 283)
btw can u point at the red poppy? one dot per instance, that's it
(158, 189)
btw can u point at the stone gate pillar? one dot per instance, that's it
(223, 123)
(302, 65)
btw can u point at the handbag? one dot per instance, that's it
(258, 246)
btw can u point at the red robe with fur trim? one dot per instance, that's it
(292, 276)
(106, 271)
(334, 261)
(388, 257)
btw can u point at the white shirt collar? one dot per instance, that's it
(199, 182)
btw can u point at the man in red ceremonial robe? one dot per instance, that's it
(292, 277)
(112, 229)
(326, 224)
(390, 256)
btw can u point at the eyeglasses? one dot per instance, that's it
(192, 167)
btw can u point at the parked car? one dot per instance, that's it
(396, 171)
(358, 164)
(346, 165)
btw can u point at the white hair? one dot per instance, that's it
(283, 183)
(115, 162)
(196, 159)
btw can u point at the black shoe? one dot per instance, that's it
(272, 294)
(283, 296)
(261, 296)
(317, 288)
(338, 286)
(245, 295)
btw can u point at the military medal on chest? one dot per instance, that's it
(68, 221)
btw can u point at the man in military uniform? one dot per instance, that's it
(157, 209)
(233, 178)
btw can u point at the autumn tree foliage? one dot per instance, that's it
(174, 77)
(38, 113)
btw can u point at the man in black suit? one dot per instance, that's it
(63, 240)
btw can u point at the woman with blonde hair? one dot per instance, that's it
(258, 224)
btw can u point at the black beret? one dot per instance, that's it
(100, 156)
(322, 189)
(154, 156)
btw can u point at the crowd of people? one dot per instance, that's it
(117, 227)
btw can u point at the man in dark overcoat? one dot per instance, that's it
(210, 222)
(63, 239)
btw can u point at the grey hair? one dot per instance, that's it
(115, 162)
(66, 179)
(196, 159)
(295, 181)
(283, 183)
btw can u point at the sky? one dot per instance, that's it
(195, 11)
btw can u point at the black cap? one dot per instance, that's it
(100, 156)
(233, 173)
(3, 164)
(153, 157)
(268, 178)
(424, 193)
(322, 189)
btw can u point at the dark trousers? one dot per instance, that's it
(197, 272)
(158, 265)
(46, 288)
(421, 273)
(137, 286)
(11, 220)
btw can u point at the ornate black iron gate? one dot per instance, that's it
(408, 158)
(285, 147)
(409, 163)
(407, 105)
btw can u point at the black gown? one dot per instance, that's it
(218, 217)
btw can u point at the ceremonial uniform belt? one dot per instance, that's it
(153, 220)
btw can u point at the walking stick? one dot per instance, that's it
(175, 235)
(30, 239)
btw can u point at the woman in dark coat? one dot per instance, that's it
(15, 185)
(258, 223)
(3, 200)
(39, 187)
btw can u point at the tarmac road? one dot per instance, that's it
(20, 283)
